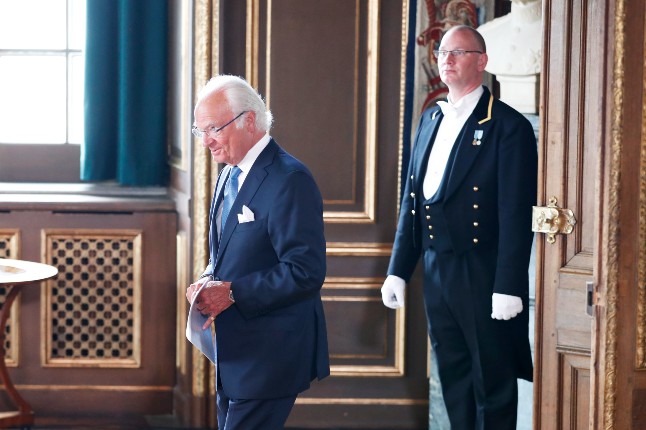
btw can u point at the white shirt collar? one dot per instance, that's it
(253, 153)
(466, 104)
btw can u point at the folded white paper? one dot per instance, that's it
(202, 339)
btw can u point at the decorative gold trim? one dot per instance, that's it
(363, 370)
(181, 306)
(181, 162)
(46, 329)
(349, 283)
(12, 355)
(640, 359)
(482, 121)
(612, 264)
(359, 249)
(372, 108)
(360, 401)
(367, 215)
(116, 388)
(402, 97)
(253, 30)
(205, 65)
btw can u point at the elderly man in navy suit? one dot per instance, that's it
(267, 265)
(466, 211)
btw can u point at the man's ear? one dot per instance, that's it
(250, 121)
(482, 62)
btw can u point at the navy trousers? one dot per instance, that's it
(254, 414)
(476, 355)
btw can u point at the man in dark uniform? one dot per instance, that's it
(467, 210)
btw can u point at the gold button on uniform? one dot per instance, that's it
(475, 224)
(413, 211)
(427, 207)
(475, 188)
(475, 206)
(475, 240)
(428, 217)
(412, 195)
(430, 236)
(430, 227)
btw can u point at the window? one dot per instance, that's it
(41, 81)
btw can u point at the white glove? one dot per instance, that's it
(392, 292)
(504, 307)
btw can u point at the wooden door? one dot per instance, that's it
(332, 73)
(590, 369)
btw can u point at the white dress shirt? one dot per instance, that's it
(245, 166)
(455, 115)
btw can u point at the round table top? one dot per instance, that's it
(21, 271)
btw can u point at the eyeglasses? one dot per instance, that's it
(440, 53)
(213, 131)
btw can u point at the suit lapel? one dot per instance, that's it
(476, 129)
(250, 186)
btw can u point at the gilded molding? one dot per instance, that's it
(359, 249)
(612, 264)
(402, 97)
(205, 65)
(365, 370)
(367, 214)
(372, 108)
(641, 281)
(11, 237)
(181, 162)
(114, 388)
(181, 306)
(350, 283)
(253, 30)
(360, 401)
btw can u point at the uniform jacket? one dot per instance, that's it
(272, 341)
(488, 198)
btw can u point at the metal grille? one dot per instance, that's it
(9, 249)
(93, 303)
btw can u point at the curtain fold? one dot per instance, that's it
(125, 92)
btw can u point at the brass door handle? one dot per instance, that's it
(552, 220)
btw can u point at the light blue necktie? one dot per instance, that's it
(230, 194)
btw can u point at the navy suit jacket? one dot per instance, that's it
(486, 208)
(272, 342)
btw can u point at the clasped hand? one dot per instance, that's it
(212, 300)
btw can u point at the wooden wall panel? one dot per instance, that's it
(331, 72)
(116, 306)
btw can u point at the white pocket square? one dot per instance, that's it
(246, 215)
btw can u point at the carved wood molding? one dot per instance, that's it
(640, 359)
(612, 258)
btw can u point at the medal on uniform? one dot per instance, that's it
(476, 138)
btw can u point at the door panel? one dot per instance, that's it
(571, 138)
(331, 73)
(590, 371)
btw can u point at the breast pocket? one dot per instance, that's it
(251, 226)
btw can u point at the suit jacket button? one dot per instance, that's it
(428, 217)
(427, 207)
(475, 188)
(475, 240)
(475, 224)
(430, 227)
(430, 236)
(475, 206)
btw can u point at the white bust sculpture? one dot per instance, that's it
(514, 48)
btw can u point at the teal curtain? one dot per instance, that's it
(125, 92)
